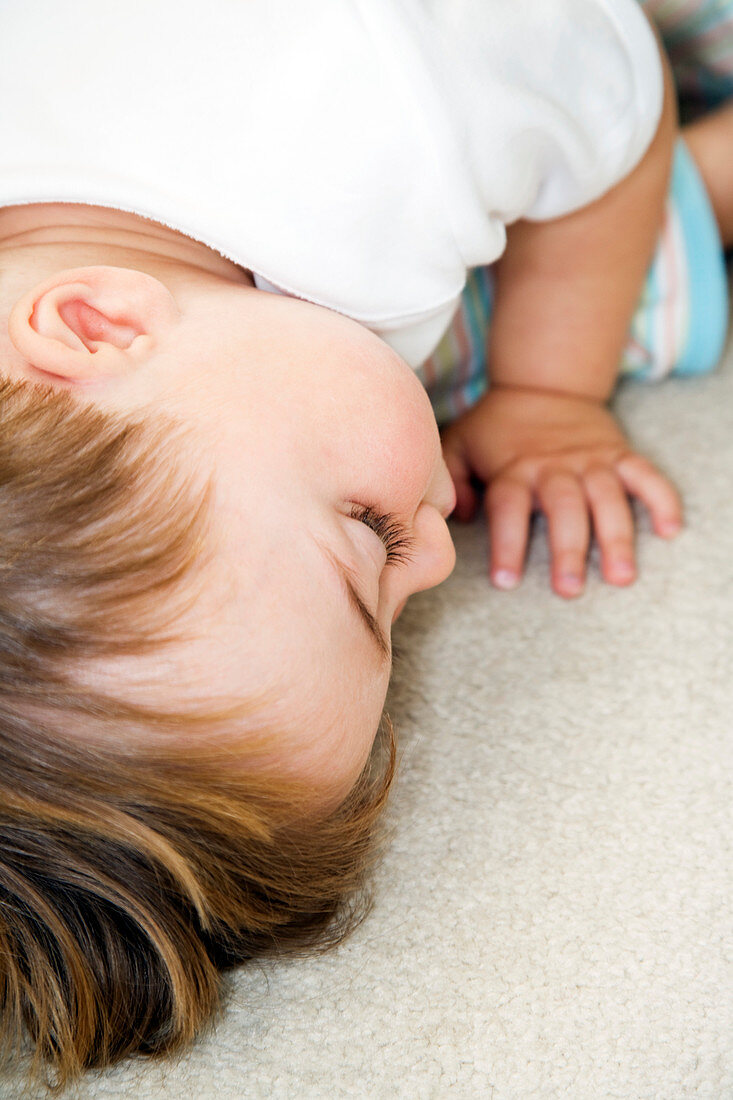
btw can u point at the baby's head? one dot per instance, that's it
(215, 501)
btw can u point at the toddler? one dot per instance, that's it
(234, 250)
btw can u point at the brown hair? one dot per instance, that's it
(134, 869)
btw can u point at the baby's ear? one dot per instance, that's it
(89, 323)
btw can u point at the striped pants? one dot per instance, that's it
(681, 320)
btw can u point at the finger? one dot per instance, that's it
(613, 524)
(466, 495)
(562, 499)
(644, 481)
(508, 509)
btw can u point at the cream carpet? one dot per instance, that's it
(553, 916)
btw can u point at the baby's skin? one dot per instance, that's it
(541, 437)
(330, 489)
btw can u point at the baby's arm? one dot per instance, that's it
(541, 437)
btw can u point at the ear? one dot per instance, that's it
(88, 323)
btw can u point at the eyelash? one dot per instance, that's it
(397, 542)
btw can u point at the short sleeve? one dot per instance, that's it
(553, 103)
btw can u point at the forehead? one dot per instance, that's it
(289, 628)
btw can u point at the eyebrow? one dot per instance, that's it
(347, 578)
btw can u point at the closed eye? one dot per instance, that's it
(393, 534)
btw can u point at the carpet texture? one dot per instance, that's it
(553, 915)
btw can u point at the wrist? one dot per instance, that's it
(562, 391)
(567, 361)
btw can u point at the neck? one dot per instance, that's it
(58, 235)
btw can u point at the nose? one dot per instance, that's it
(441, 491)
(434, 554)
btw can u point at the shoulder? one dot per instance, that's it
(559, 99)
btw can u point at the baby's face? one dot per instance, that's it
(329, 510)
(321, 434)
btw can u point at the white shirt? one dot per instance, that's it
(361, 154)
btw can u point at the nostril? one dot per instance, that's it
(441, 491)
(398, 611)
(450, 501)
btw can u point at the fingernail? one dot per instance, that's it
(622, 570)
(569, 582)
(504, 578)
(670, 528)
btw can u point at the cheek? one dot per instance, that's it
(407, 458)
(386, 452)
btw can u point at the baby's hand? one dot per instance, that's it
(568, 457)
